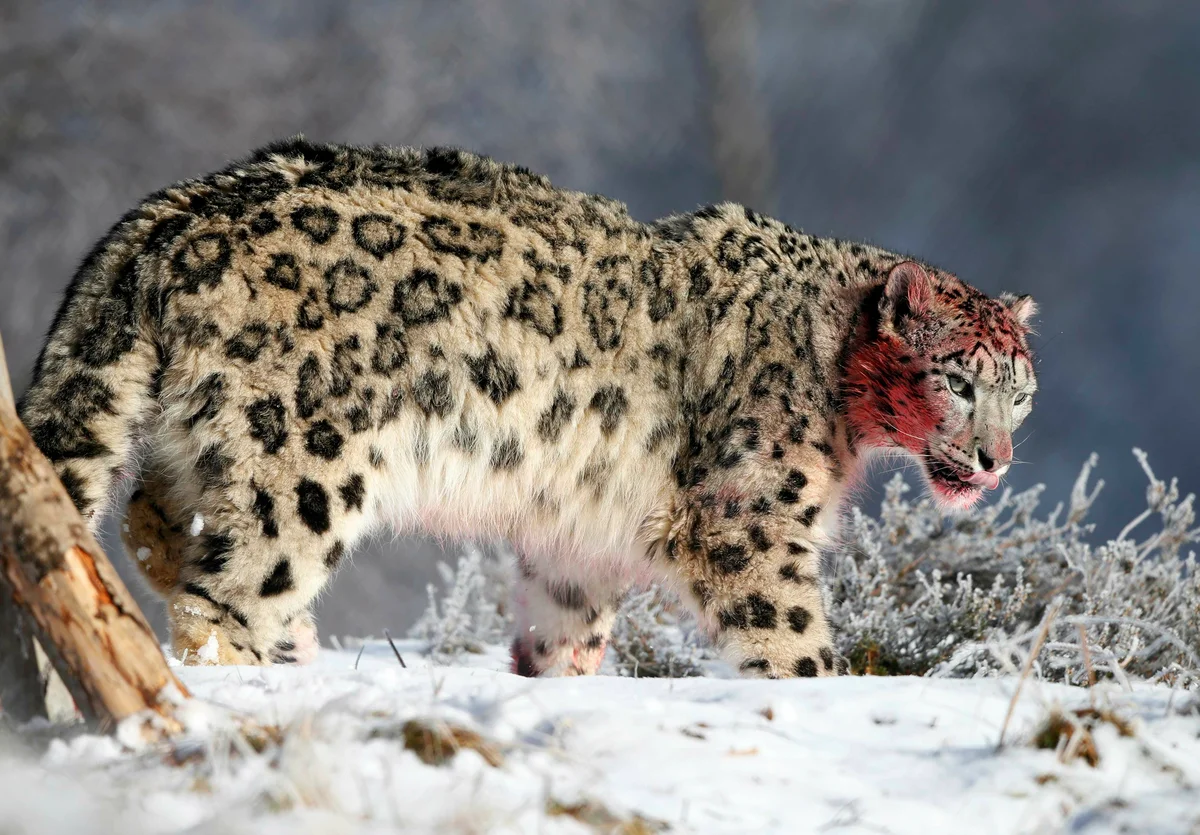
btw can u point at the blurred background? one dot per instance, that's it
(1042, 147)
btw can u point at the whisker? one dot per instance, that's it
(1043, 345)
(900, 431)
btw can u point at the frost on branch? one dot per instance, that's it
(653, 639)
(472, 612)
(919, 592)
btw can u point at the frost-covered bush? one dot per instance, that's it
(652, 638)
(472, 611)
(919, 592)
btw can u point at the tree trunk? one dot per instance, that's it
(741, 129)
(53, 571)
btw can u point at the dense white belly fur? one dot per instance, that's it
(566, 529)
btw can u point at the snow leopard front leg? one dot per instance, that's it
(562, 627)
(748, 564)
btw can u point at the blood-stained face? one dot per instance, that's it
(947, 377)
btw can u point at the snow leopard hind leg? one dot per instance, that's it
(155, 534)
(562, 626)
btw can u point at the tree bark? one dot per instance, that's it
(54, 572)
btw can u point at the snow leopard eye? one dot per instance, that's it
(959, 386)
(1020, 398)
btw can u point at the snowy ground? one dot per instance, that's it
(610, 754)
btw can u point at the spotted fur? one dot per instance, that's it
(320, 339)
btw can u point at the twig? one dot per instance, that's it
(361, 648)
(1051, 613)
(392, 644)
(1087, 662)
(1167, 635)
(1128, 529)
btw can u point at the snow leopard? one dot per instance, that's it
(322, 339)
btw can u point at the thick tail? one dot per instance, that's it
(94, 379)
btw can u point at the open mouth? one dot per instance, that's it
(955, 481)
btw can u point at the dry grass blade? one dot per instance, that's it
(262, 737)
(1087, 661)
(1047, 621)
(1071, 733)
(601, 819)
(1070, 738)
(392, 644)
(436, 743)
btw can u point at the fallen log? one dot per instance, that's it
(56, 578)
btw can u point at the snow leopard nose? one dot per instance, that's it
(992, 462)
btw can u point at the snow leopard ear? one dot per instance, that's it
(908, 292)
(1022, 308)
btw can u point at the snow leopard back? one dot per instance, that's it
(322, 337)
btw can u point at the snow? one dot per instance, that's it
(197, 524)
(209, 652)
(143, 554)
(706, 754)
